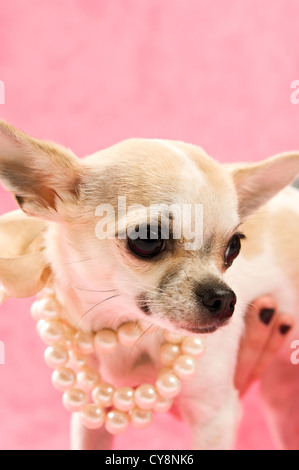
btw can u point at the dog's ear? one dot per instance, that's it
(44, 177)
(258, 182)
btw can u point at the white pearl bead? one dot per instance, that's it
(51, 331)
(63, 379)
(168, 385)
(105, 341)
(103, 394)
(93, 416)
(46, 292)
(35, 311)
(68, 335)
(168, 353)
(141, 418)
(128, 333)
(171, 337)
(50, 308)
(77, 360)
(163, 404)
(87, 378)
(145, 396)
(56, 356)
(117, 422)
(193, 346)
(39, 325)
(185, 367)
(74, 399)
(47, 308)
(123, 398)
(83, 342)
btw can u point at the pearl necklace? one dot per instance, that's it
(70, 352)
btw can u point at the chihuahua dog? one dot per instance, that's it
(103, 281)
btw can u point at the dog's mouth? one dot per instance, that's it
(145, 307)
(201, 330)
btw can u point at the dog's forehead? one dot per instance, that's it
(155, 172)
(152, 171)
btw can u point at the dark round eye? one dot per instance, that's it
(233, 249)
(149, 245)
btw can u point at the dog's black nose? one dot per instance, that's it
(219, 301)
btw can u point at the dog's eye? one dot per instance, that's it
(233, 249)
(149, 245)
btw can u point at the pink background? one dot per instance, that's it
(90, 73)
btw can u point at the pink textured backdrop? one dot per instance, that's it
(90, 73)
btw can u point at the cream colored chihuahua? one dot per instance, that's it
(103, 282)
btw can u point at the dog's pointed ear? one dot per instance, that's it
(258, 182)
(44, 177)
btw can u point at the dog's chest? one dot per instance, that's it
(132, 366)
